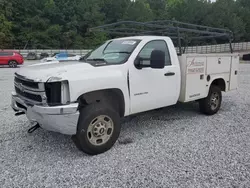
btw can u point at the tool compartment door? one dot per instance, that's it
(234, 73)
(218, 65)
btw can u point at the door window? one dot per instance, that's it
(145, 53)
(6, 53)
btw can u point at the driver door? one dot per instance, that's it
(153, 88)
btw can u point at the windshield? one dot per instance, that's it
(113, 52)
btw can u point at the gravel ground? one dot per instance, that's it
(171, 147)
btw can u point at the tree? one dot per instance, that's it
(145, 13)
(224, 14)
(5, 32)
(243, 10)
(114, 10)
(65, 23)
(159, 9)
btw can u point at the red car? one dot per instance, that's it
(10, 58)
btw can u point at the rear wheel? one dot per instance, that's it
(98, 128)
(12, 64)
(212, 103)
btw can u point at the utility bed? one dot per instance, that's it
(197, 70)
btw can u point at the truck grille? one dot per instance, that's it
(30, 91)
(29, 96)
(27, 83)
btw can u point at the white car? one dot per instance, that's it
(62, 57)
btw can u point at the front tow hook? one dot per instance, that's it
(33, 128)
(19, 113)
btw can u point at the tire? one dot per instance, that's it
(212, 103)
(94, 120)
(12, 64)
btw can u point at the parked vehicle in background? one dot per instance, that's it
(11, 58)
(32, 56)
(63, 56)
(122, 77)
(246, 57)
(44, 55)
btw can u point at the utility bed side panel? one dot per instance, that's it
(182, 60)
(193, 70)
(196, 83)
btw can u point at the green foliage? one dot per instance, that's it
(65, 23)
(5, 32)
(114, 10)
(159, 8)
(145, 13)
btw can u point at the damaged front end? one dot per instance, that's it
(46, 104)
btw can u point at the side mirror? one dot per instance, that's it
(157, 59)
(138, 63)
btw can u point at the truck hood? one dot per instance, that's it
(41, 72)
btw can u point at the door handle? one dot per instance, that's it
(169, 74)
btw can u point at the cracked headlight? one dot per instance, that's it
(65, 92)
(57, 93)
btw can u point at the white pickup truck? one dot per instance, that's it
(124, 76)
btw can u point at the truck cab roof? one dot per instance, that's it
(150, 37)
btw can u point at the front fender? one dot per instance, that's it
(90, 82)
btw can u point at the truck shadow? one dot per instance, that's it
(167, 113)
(55, 144)
(7, 67)
(133, 129)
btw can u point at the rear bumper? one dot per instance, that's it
(62, 119)
(20, 61)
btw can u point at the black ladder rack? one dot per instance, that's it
(181, 33)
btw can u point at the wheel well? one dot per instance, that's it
(220, 83)
(114, 97)
(12, 60)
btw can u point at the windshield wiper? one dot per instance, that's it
(122, 52)
(96, 59)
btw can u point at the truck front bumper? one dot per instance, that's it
(62, 119)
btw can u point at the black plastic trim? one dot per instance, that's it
(128, 83)
(53, 93)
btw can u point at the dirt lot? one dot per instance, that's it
(171, 147)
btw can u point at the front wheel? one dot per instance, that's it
(212, 103)
(98, 129)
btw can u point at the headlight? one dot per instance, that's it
(57, 93)
(65, 92)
